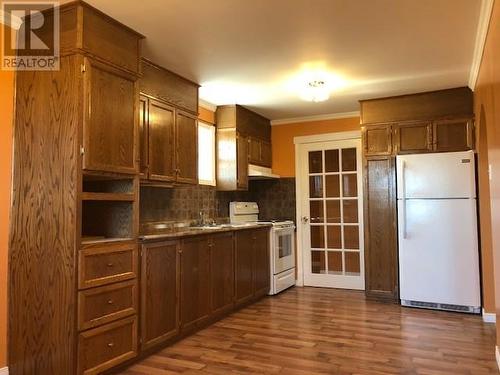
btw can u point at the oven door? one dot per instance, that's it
(283, 249)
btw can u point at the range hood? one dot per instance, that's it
(256, 172)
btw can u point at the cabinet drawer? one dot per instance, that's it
(107, 303)
(102, 348)
(107, 264)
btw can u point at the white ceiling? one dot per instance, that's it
(252, 52)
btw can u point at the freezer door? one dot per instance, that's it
(443, 175)
(438, 256)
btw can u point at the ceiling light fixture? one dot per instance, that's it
(316, 91)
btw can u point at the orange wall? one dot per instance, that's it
(487, 110)
(6, 110)
(284, 148)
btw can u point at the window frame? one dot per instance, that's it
(212, 128)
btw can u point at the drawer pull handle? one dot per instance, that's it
(110, 264)
(110, 302)
(111, 344)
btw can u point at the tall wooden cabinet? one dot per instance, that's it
(243, 138)
(168, 126)
(438, 121)
(73, 259)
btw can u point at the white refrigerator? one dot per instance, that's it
(437, 231)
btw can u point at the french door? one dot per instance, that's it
(332, 214)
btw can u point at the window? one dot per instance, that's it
(206, 154)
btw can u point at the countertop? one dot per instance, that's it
(174, 233)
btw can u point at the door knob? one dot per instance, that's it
(305, 219)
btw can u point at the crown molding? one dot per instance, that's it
(330, 116)
(204, 104)
(481, 34)
(10, 20)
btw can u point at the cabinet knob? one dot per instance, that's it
(110, 302)
(110, 264)
(111, 344)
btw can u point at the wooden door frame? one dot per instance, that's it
(298, 142)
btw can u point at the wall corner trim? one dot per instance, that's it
(489, 317)
(204, 104)
(497, 356)
(481, 34)
(329, 116)
(4, 371)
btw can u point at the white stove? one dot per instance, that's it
(281, 243)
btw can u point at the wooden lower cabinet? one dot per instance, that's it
(262, 278)
(187, 283)
(243, 267)
(107, 303)
(222, 272)
(104, 347)
(195, 281)
(380, 227)
(160, 284)
(252, 273)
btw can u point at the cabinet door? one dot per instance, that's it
(254, 151)
(453, 135)
(377, 139)
(380, 228)
(413, 138)
(242, 162)
(261, 262)
(186, 148)
(244, 259)
(195, 281)
(110, 126)
(161, 141)
(159, 292)
(143, 136)
(266, 154)
(222, 272)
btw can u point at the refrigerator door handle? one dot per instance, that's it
(403, 198)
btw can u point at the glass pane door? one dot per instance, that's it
(333, 201)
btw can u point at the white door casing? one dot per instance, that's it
(336, 263)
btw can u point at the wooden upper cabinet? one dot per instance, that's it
(195, 281)
(266, 154)
(259, 152)
(413, 137)
(143, 136)
(172, 127)
(161, 142)
(242, 162)
(110, 122)
(377, 140)
(453, 135)
(167, 86)
(186, 146)
(160, 287)
(254, 150)
(253, 145)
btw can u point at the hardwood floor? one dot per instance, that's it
(321, 331)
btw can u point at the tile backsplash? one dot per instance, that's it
(276, 199)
